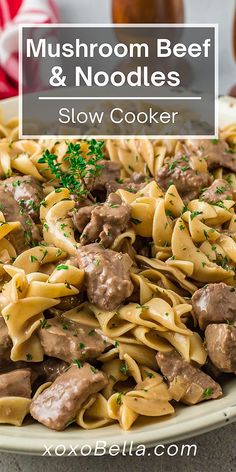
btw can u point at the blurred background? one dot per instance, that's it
(195, 11)
(14, 12)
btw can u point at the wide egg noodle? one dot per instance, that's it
(194, 244)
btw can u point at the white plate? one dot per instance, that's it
(187, 421)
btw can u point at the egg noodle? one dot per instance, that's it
(185, 241)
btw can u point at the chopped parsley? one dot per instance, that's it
(185, 208)
(119, 398)
(112, 378)
(195, 213)
(169, 213)
(208, 392)
(29, 357)
(62, 267)
(16, 183)
(150, 375)
(78, 363)
(222, 261)
(44, 324)
(221, 189)
(93, 369)
(173, 165)
(45, 252)
(124, 369)
(220, 204)
(91, 332)
(229, 151)
(33, 259)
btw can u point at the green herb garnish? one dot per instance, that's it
(208, 392)
(80, 168)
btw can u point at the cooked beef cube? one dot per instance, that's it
(82, 216)
(49, 369)
(59, 404)
(16, 383)
(219, 190)
(221, 346)
(27, 191)
(214, 303)
(197, 386)
(110, 171)
(106, 221)
(216, 152)
(23, 237)
(133, 184)
(5, 340)
(107, 275)
(68, 340)
(139, 178)
(186, 180)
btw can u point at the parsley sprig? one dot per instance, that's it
(80, 169)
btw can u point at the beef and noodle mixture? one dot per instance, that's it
(118, 277)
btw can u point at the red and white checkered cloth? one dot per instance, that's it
(12, 13)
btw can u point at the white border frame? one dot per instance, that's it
(215, 26)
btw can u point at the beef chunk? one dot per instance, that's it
(27, 191)
(23, 237)
(82, 216)
(49, 369)
(6, 365)
(187, 182)
(196, 385)
(107, 275)
(133, 184)
(68, 340)
(219, 190)
(16, 383)
(56, 406)
(221, 346)
(104, 222)
(110, 171)
(216, 152)
(5, 340)
(214, 303)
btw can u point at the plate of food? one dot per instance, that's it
(118, 288)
